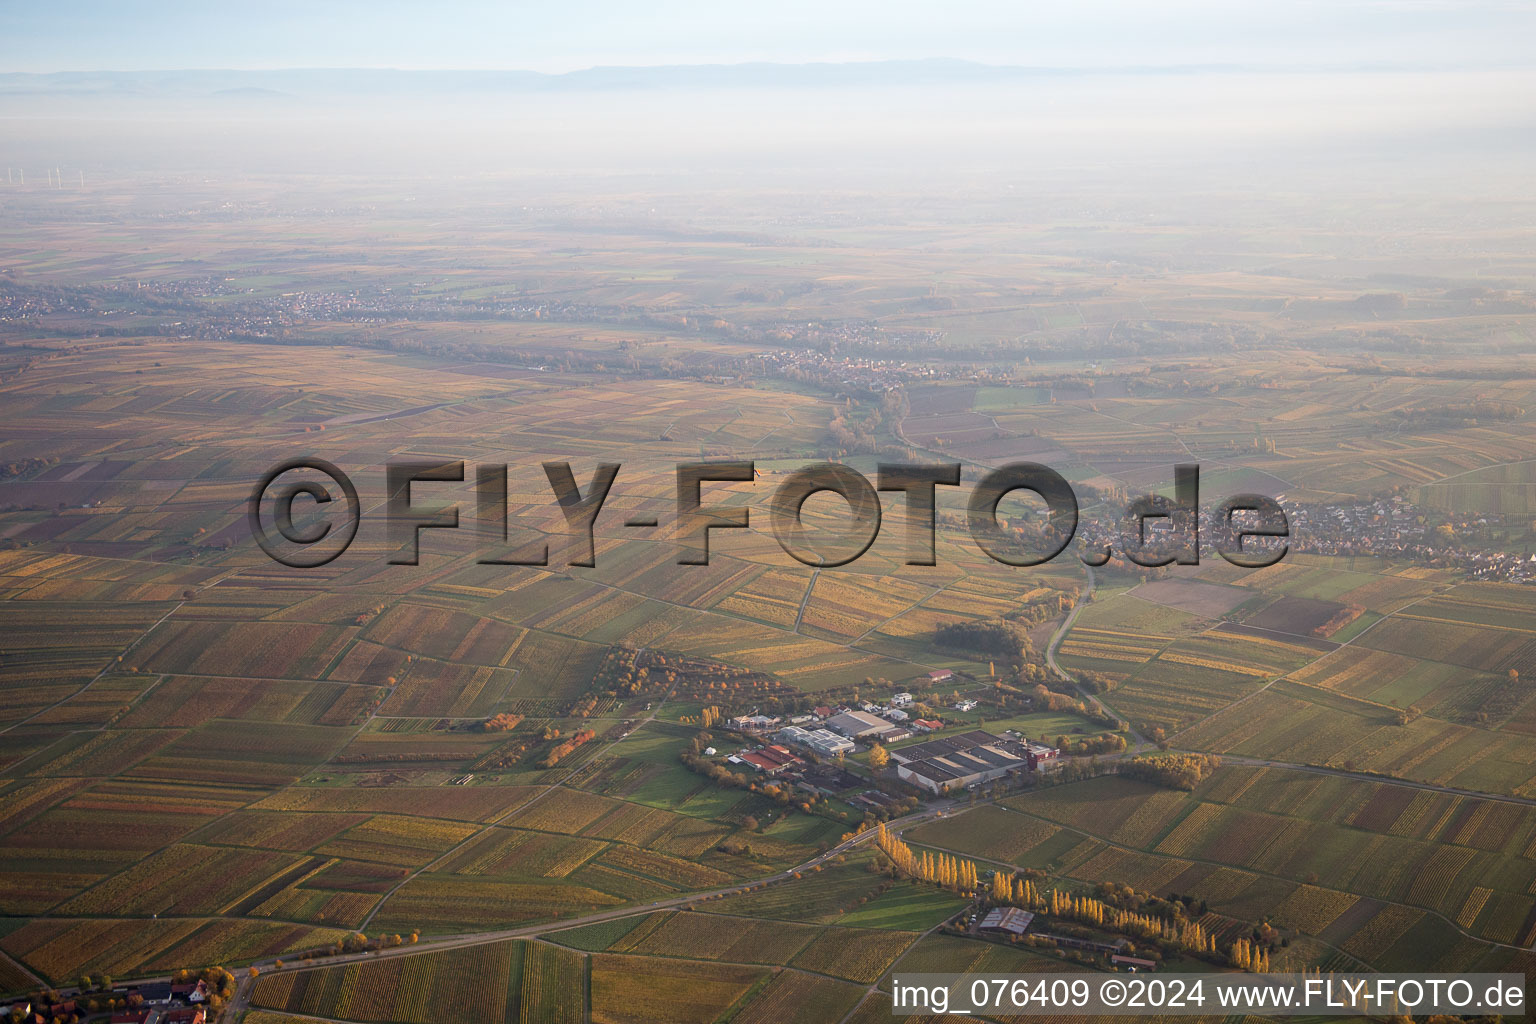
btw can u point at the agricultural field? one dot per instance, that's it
(719, 937)
(823, 897)
(793, 997)
(633, 990)
(62, 950)
(212, 757)
(1310, 725)
(1255, 842)
(507, 981)
(860, 955)
(1447, 657)
(1193, 597)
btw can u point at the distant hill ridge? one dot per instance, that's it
(377, 81)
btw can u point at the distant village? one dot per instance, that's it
(1396, 528)
(847, 356)
(1391, 528)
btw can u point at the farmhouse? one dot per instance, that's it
(940, 675)
(151, 991)
(858, 724)
(1010, 920)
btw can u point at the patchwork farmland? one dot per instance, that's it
(496, 782)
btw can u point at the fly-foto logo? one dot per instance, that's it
(290, 514)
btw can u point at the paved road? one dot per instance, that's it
(1138, 741)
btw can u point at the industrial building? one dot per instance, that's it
(966, 759)
(823, 741)
(857, 725)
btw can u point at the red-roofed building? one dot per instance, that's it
(770, 760)
(927, 724)
(1039, 754)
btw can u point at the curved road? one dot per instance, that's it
(1138, 741)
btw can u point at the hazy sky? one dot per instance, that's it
(562, 35)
